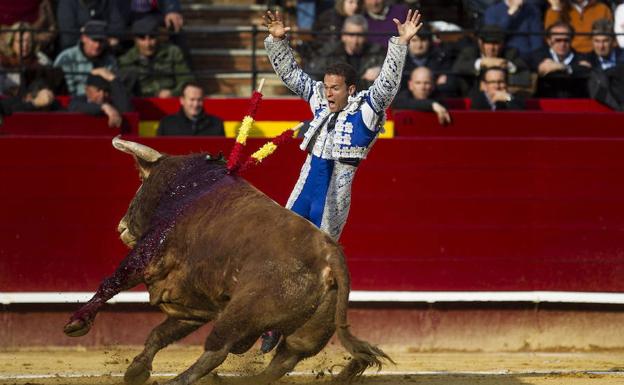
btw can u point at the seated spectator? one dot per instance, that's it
(331, 20)
(490, 52)
(191, 119)
(420, 95)
(605, 54)
(580, 14)
(421, 52)
(167, 10)
(38, 97)
(91, 52)
(37, 13)
(104, 95)
(561, 71)
(494, 95)
(155, 69)
(18, 55)
(521, 21)
(619, 24)
(379, 16)
(354, 49)
(72, 14)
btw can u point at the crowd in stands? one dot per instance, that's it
(104, 52)
(538, 48)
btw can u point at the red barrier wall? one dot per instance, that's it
(428, 213)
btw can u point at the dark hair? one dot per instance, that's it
(191, 83)
(549, 32)
(425, 32)
(343, 69)
(602, 27)
(485, 70)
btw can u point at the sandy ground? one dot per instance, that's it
(79, 366)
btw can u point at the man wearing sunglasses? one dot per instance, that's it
(154, 69)
(562, 71)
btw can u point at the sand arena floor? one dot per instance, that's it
(79, 366)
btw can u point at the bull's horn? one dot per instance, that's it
(141, 151)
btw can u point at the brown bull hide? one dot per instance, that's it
(211, 247)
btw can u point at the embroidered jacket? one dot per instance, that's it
(360, 122)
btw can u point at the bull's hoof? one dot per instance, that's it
(137, 373)
(77, 328)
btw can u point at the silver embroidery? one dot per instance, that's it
(303, 175)
(338, 200)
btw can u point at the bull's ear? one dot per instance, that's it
(145, 156)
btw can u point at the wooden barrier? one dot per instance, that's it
(429, 213)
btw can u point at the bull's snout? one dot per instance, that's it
(125, 234)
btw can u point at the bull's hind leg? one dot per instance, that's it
(305, 342)
(169, 331)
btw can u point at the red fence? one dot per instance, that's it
(434, 212)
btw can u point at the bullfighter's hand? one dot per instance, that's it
(410, 28)
(114, 117)
(275, 25)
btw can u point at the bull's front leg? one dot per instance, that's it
(169, 331)
(128, 275)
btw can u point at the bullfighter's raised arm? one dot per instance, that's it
(283, 59)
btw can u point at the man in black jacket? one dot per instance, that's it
(191, 119)
(494, 95)
(419, 95)
(562, 71)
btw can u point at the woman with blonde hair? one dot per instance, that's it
(18, 55)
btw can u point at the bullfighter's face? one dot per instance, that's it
(337, 92)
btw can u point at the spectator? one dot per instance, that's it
(91, 52)
(36, 13)
(21, 61)
(490, 52)
(493, 95)
(191, 119)
(619, 24)
(561, 71)
(521, 21)
(167, 10)
(379, 16)
(104, 95)
(580, 14)
(72, 14)
(331, 20)
(604, 55)
(156, 69)
(38, 97)
(354, 49)
(420, 95)
(421, 52)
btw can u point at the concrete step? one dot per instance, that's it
(229, 59)
(239, 84)
(222, 37)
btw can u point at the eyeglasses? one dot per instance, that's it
(143, 37)
(495, 82)
(561, 40)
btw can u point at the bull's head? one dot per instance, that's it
(168, 184)
(131, 227)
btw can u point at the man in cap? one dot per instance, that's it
(104, 94)
(490, 52)
(157, 69)
(191, 119)
(91, 52)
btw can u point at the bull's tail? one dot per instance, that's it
(364, 355)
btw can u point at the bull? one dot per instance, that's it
(211, 247)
